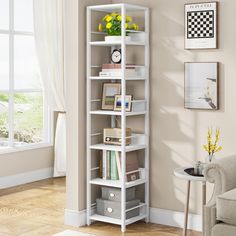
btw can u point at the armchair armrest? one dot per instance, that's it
(223, 174)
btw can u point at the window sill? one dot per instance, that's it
(24, 148)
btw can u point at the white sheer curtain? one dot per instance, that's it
(49, 38)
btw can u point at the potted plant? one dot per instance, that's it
(111, 24)
(212, 145)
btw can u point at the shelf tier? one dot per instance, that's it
(117, 7)
(116, 183)
(117, 78)
(106, 43)
(129, 148)
(110, 220)
(127, 66)
(117, 113)
(127, 31)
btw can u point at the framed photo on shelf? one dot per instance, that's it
(201, 25)
(201, 85)
(108, 95)
(118, 103)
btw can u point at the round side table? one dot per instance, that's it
(182, 174)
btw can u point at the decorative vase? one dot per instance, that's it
(209, 158)
(116, 38)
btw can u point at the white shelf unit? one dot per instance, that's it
(140, 108)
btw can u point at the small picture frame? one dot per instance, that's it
(201, 85)
(108, 95)
(118, 103)
(201, 29)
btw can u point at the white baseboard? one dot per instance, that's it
(157, 216)
(25, 178)
(75, 218)
(175, 218)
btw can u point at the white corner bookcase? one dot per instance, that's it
(140, 108)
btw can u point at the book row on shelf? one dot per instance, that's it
(110, 166)
(112, 70)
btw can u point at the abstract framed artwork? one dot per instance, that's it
(201, 85)
(201, 25)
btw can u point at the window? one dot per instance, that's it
(24, 114)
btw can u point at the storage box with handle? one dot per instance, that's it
(114, 194)
(113, 208)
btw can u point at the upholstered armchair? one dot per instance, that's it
(220, 211)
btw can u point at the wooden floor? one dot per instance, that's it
(37, 209)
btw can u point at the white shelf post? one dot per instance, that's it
(147, 128)
(123, 119)
(88, 116)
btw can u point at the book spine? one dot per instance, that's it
(108, 164)
(104, 165)
(114, 171)
(117, 66)
(118, 164)
(104, 74)
(118, 70)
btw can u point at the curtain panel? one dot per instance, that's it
(49, 41)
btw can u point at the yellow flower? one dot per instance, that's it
(105, 17)
(218, 149)
(109, 25)
(206, 148)
(119, 18)
(109, 18)
(100, 27)
(126, 25)
(128, 19)
(114, 14)
(135, 26)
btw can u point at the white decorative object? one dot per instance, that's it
(140, 108)
(116, 38)
(201, 25)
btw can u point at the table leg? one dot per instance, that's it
(203, 204)
(186, 210)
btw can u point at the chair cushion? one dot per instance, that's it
(226, 207)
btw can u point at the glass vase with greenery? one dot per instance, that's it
(212, 146)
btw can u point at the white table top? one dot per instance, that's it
(180, 173)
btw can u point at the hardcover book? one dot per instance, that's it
(114, 169)
(132, 166)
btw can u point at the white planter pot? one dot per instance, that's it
(116, 38)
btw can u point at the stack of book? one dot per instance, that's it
(111, 166)
(113, 70)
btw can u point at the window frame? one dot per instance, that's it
(47, 113)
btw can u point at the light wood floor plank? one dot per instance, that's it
(37, 209)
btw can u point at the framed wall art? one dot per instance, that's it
(201, 25)
(108, 95)
(201, 85)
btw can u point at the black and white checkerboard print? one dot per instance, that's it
(200, 24)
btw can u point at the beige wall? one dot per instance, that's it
(75, 43)
(177, 134)
(25, 161)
